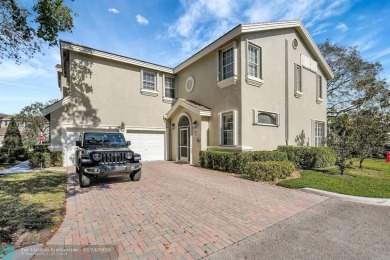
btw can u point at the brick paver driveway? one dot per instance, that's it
(175, 211)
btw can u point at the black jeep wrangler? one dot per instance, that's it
(105, 154)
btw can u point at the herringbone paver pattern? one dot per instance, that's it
(174, 212)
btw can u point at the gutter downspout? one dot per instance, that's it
(286, 92)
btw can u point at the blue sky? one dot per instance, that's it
(167, 32)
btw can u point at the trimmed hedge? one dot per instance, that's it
(236, 161)
(269, 170)
(309, 157)
(40, 159)
(57, 158)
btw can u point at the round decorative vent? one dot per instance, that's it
(295, 43)
(190, 84)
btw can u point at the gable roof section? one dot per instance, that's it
(55, 106)
(191, 106)
(258, 27)
(112, 56)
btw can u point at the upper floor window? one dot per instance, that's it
(227, 66)
(319, 89)
(319, 133)
(228, 122)
(149, 83)
(298, 80)
(266, 118)
(169, 88)
(254, 63)
(149, 80)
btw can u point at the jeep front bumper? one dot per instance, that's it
(112, 169)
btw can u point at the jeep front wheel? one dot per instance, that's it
(135, 176)
(84, 180)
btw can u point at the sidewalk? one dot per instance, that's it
(19, 168)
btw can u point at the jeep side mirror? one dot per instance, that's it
(78, 143)
(128, 143)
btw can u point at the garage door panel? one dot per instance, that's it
(149, 144)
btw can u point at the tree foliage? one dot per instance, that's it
(35, 123)
(356, 84)
(12, 143)
(340, 138)
(370, 132)
(23, 31)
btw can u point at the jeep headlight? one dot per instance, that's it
(97, 156)
(129, 155)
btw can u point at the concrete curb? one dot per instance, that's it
(365, 200)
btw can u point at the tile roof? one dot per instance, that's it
(195, 105)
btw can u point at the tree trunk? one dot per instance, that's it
(361, 163)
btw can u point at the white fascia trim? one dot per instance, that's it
(50, 109)
(111, 56)
(190, 108)
(114, 127)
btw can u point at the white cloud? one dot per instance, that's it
(342, 27)
(113, 10)
(141, 20)
(11, 71)
(380, 54)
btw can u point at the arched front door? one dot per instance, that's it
(184, 139)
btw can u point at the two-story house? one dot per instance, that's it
(258, 86)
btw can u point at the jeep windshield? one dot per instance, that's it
(104, 139)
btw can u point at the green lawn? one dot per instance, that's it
(33, 204)
(372, 181)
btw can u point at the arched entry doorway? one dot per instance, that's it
(184, 139)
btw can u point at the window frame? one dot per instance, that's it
(251, 79)
(221, 115)
(275, 115)
(167, 99)
(319, 140)
(320, 90)
(231, 80)
(298, 89)
(147, 91)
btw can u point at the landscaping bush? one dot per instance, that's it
(40, 159)
(236, 161)
(269, 170)
(309, 157)
(56, 158)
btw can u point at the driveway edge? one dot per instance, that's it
(350, 198)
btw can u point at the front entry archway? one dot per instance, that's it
(184, 139)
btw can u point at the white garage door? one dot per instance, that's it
(149, 144)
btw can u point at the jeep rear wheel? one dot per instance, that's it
(84, 180)
(135, 176)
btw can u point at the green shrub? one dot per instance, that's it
(41, 148)
(269, 170)
(236, 161)
(56, 158)
(40, 159)
(309, 157)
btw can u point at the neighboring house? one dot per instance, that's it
(258, 86)
(4, 122)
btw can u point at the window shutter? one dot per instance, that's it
(235, 126)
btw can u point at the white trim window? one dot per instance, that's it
(169, 88)
(254, 64)
(319, 133)
(298, 81)
(227, 66)
(265, 118)
(319, 89)
(149, 82)
(228, 128)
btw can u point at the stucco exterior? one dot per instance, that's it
(101, 90)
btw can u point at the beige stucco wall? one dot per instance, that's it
(106, 92)
(271, 95)
(207, 93)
